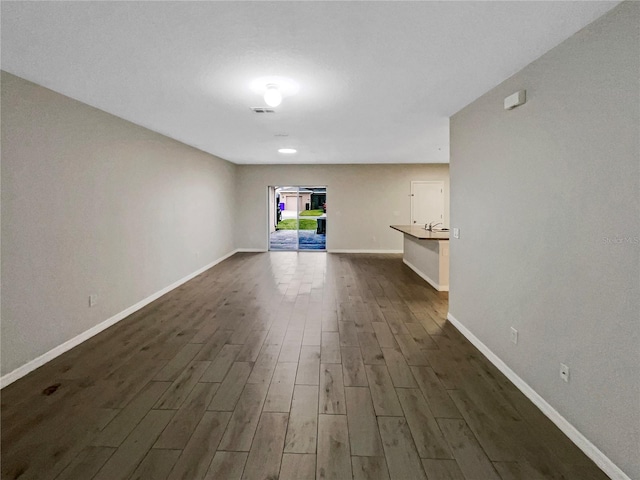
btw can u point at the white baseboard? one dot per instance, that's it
(340, 250)
(87, 334)
(593, 452)
(430, 281)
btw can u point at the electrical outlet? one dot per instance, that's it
(456, 233)
(93, 299)
(514, 335)
(564, 372)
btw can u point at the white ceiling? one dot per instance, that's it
(378, 80)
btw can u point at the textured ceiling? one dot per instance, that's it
(377, 80)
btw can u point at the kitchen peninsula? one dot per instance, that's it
(427, 253)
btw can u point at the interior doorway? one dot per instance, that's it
(297, 217)
(427, 202)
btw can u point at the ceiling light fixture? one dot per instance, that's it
(288, 151)
(274, 88)
(273, 96)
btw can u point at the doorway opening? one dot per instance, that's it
(297, 217)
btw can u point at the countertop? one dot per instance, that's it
(420, 233)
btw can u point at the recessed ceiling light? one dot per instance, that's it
(287, 150)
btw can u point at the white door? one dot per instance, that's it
(427, 202)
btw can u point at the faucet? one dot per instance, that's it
(429, 226)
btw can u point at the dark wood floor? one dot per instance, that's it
(282, 365)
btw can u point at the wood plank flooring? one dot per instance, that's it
(282, 365)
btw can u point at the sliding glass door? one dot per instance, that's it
(297, 218)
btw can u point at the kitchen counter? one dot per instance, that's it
(427, 254)
(421, 233)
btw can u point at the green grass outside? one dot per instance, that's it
(311, 213)
(291, 224)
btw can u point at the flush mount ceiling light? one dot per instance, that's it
(288, 151)
(272, 96)
(274, 89)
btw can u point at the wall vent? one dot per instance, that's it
(262, 110)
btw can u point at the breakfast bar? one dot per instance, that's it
(426, 252)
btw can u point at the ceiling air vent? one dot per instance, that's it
(263, 110)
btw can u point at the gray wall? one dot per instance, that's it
(92, 204)
(362, 201)
(547, 200)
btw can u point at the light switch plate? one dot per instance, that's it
(514, 335)
(456, 233)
